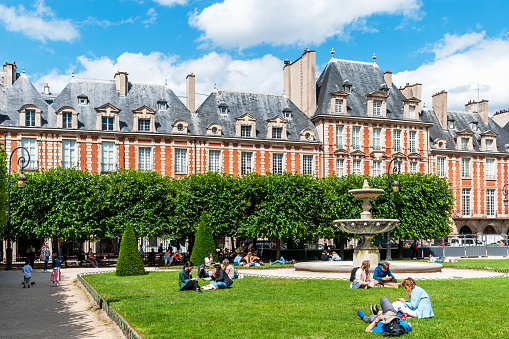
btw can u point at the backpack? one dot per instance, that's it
(352, 274)
(393, 330)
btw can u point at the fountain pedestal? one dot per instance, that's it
(366, 227)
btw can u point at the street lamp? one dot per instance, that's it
(395, 187)
(505, 190)
(22, 163)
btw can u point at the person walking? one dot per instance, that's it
(45, 254)
(414, 250)
(55, 274)
(27, 273)
(31, 255)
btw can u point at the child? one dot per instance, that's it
(27, 273)
(55, 275)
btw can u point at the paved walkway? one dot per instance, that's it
(69, 312)
(42, 311)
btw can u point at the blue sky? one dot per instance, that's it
(241, 44)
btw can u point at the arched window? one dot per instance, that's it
(489, 230)
(465, 230)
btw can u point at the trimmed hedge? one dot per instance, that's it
(129, 259)
(204, 242)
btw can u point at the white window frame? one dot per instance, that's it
(489, 144)
(465, 167)
(465, 202)
(396, 140)
(411, 141)
(338, 106)
(339, 136)
(214, 161)
(413, 167)
(144, 125)
(107, 156)
(377, 168)
(377, 108)
(110, 122)
(277, 163)
(180, 161)
(145, 158)
(411, 112)
(69, 159)
(245, 131)
(464, 144)
(30, 118)
(340, 167)
(357, 167)
(490, 202)
(441, 170)
(356, 138)
(246, 162)
(66, 120)
(31, 145)
(376, 139)
(490, 168)
(277, 132)
(307, 164)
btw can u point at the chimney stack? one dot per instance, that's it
(483, 111)
(122, 83)
(439, 104)
(388, 78)
(300, 81)
(471, 106)
(46, 89)
(412, 91)
(190, 92)
(10, 73)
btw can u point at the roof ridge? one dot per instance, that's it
(246, 92)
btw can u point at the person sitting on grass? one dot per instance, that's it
(385, 321)
(383, 274)
(186, 280)
(228, 268)
(433, 259)
(237, 260)
(209, 260)
(335, 257)
(419, 305)
(363, 278)
(220, 278)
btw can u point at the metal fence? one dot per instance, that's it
(467, 251)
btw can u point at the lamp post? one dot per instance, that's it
(505, 190)
(395, 187)
(22, 163)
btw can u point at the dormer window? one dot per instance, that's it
(411, 112)
(82, 99)
(377, 108)
(144, 119)
(67, 120)
(489, 141)
(276, 128)
(489, 145)
(376, 104)
(307, 135)
(223, 108)
(287, 113)
(143, 125)
(162, 105)
(338, 102)
(464, 143)
(245, 126)
(451, 124)
(107, 118)
(245, 131)
(277, 132)
(180, 127)
(67, 117)
(473, 126)
(384, 88)
(214, 129)
(339, 106)
(464, 140)
(107, 124)
(347, 86)
(30, 116)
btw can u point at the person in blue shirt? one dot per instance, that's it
(55, 274)
(27, 273)
(335, 257)
(383, 274)
(388, 315)
(419, 305)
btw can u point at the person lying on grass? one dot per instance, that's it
(385, 321)
(282, 261)
(186, 280)
(419, 305)
(433, 259)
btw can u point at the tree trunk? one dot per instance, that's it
(278, 248)
(342, 247)
(400, 249)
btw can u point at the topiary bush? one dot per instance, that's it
(129, 259)
(204, 242)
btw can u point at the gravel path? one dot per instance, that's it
(42, 311)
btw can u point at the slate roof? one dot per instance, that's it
(260, 106)
(462, 122)
(364, 78)
(98, 93)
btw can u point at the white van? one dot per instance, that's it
(466, 242)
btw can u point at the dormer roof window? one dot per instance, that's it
(450, 123)
(474, 127)
(82, 99)
(287, 112)
(376, 102)
(223, 108)
(384, 88)
(347, 86)
(162, 105)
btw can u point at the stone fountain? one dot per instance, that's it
(366, 227)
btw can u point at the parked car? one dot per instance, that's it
(443, 244)
(466, 242)
(376, 243)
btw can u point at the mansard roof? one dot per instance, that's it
(262, 107)
(365, 78)
(462, 122)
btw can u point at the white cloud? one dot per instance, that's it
(170, 3)
(39, 24)
(242, 24)
(460, 64)
(256, 75)
(152, 17)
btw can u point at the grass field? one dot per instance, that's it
(293, 308)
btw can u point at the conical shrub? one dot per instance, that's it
(129, 259)
(204, 242)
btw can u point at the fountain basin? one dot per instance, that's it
(366, 192)
(366, 226)
(346, 266)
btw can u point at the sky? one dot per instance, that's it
(460, 46)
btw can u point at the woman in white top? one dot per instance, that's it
(228, 269)
(363, 278)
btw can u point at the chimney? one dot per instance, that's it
(10, 73)
(388, 78)
(483, 111)
(46, 89)
(412, 91)
(190, 92)
(471, 106)
(122, 83)
(300, 82)
(439, 104)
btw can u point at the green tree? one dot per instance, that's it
(204, 242)
(129, 259)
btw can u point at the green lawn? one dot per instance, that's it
(293, 308)
(499, 265)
